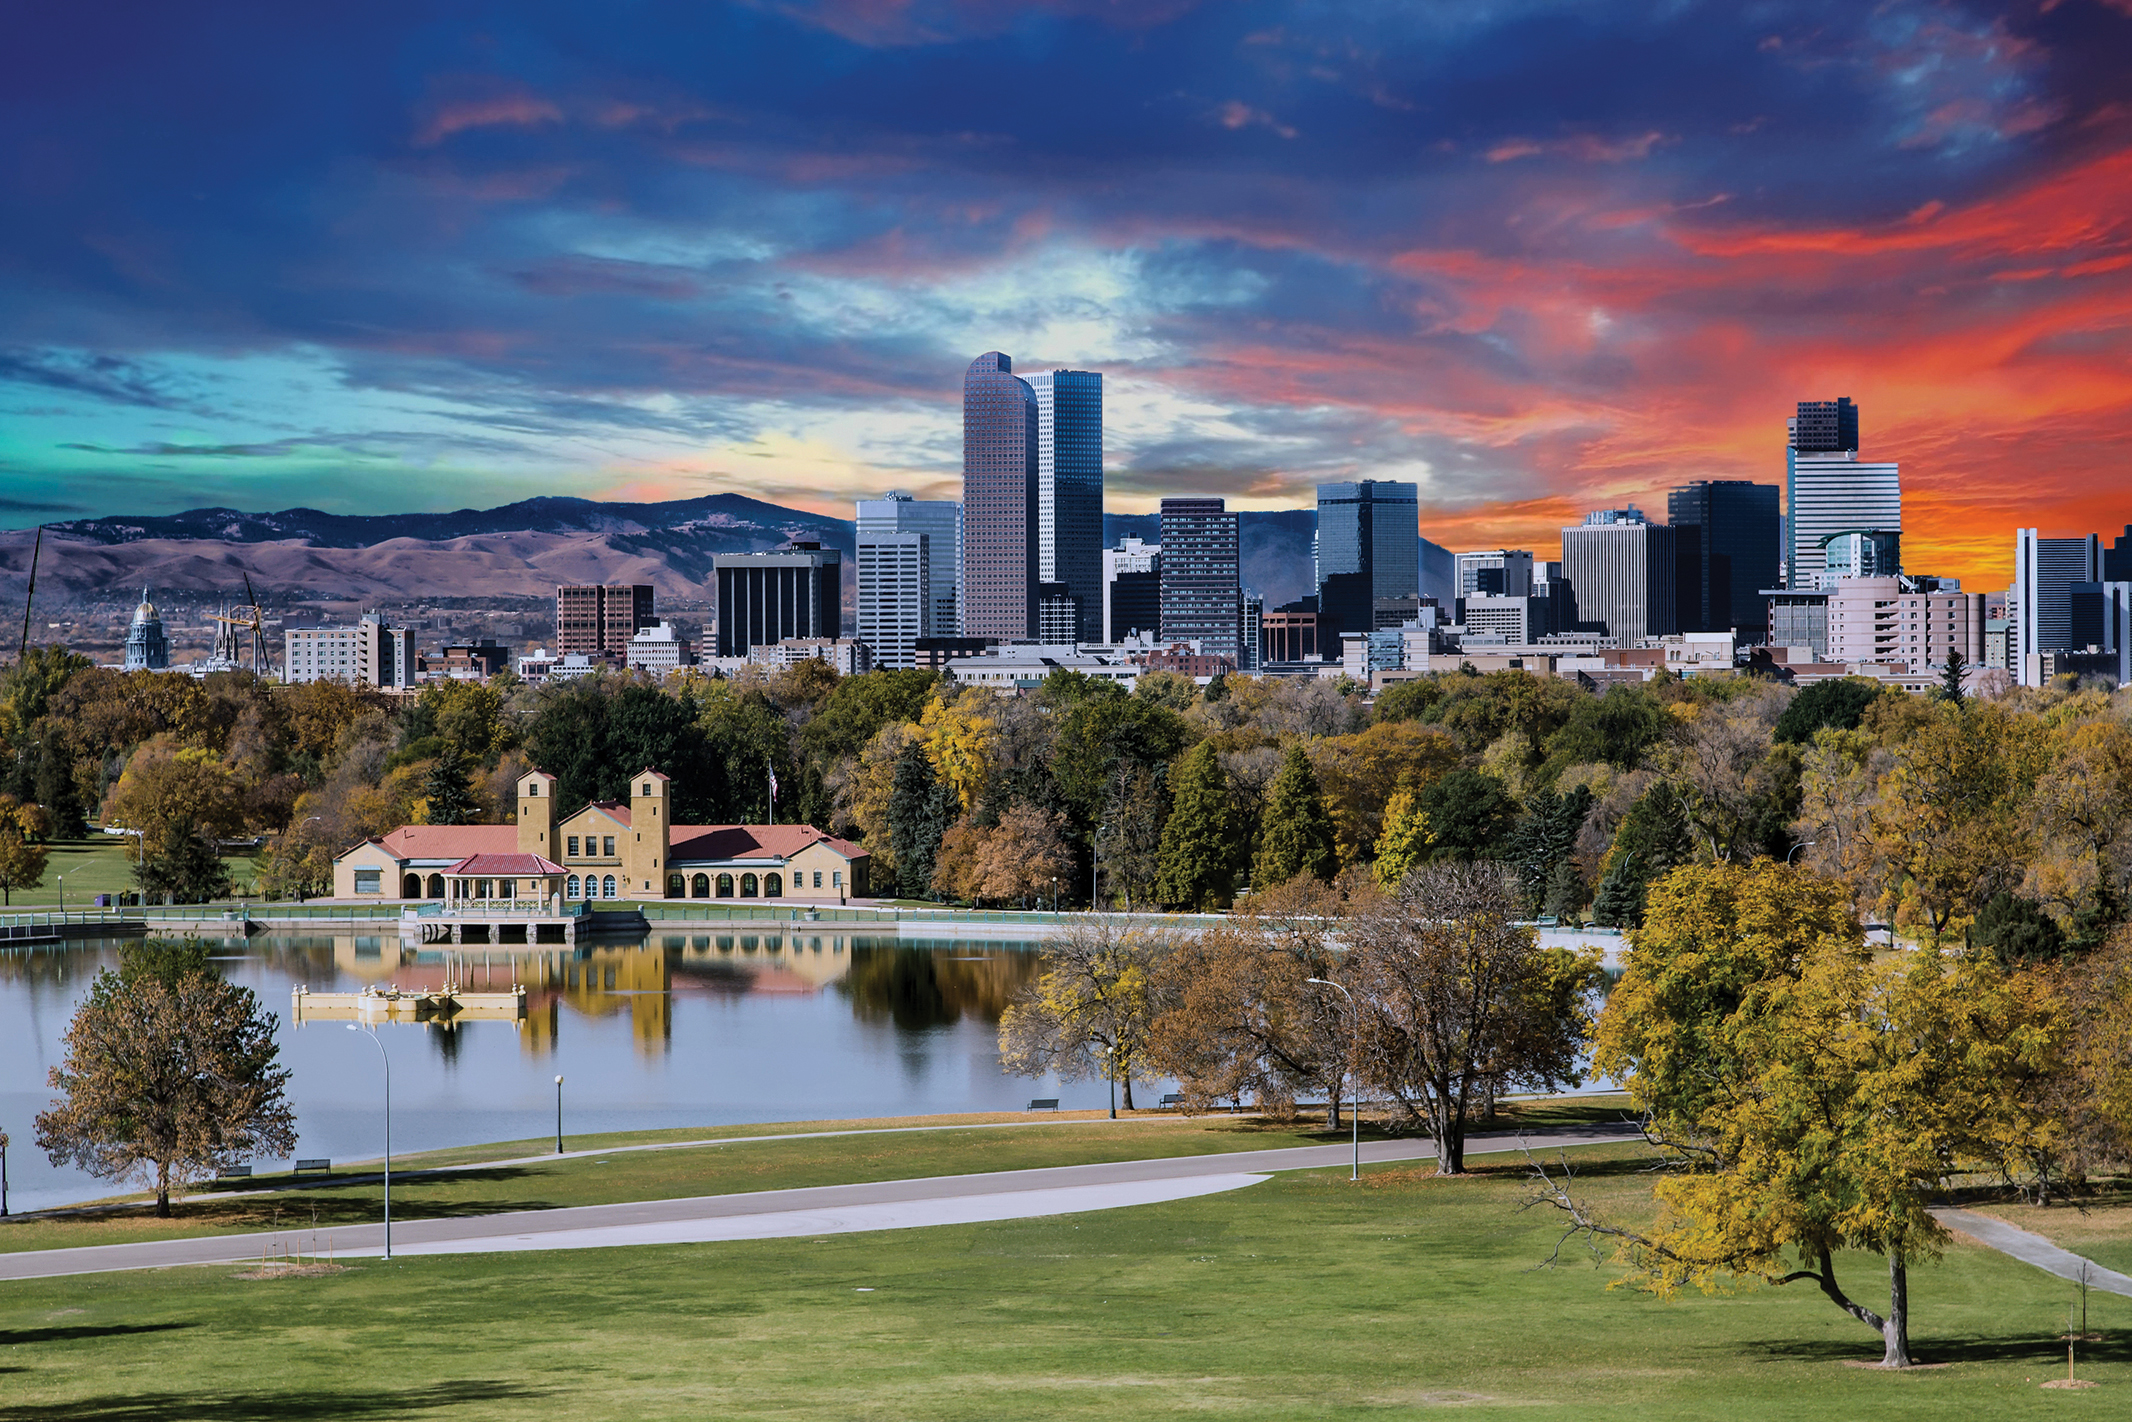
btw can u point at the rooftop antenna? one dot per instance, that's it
(22, 652)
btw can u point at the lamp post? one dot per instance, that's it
(1802, 844)
(1354, 1114)
(558, 1115)
(1110, 1069)
(3, 1175)
(62, 895)
(387, 1059)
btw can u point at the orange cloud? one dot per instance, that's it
(502, 111)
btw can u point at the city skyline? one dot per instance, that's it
(408, 264)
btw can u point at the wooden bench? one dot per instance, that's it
(321, 1166)
(235, 1172)
(1044, 1103)
(1173, 1099)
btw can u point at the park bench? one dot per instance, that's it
(1173, 1099)
(1044, 1103)
(234, 1172)
(321, 1166)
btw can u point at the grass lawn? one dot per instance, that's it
(100, 864)
(2098, 1225)
(1303, 1297)
(674, 1174)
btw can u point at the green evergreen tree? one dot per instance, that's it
(1295, 832)
(185, 866)
(1653, 839)
(1542, 843)
(447, 795)
(1951, 678)
(1202, 842)
(921, 806)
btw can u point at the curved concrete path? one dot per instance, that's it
(1995, 1233)
(768, 1214)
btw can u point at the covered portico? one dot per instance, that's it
(495, 885)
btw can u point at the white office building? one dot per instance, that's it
(1513, 564)
(895, 588)
(1142, 592)
(1910, 622)
(1494, 615)
(1831, 492)
(2040, 603)
(658, 650)
(940, 520)
(370, 653)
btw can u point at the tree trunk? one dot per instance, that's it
(1128, 1091)
(1895, 1329)
(1450, 1134)
(162, 1190)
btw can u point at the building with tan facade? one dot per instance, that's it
(622, 849)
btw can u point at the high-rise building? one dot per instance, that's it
(765, 598)
(1913, 622)
(1736, 555)
(2040, 602)
(599, 620)
(1058, 615)
(2117, 558)
(1622, 571)
(2102, 619)
(940, 520)
(1201, 592)
(1439, 573)
(999, 518)
(147, 649)
(1132, 589)
(1254, 637)
(1370, 528)
(1824, 427)
(371, 653)
(1860, 553)
(1498, 572)
(895, 593)
(1828, 489)
(1069, 488)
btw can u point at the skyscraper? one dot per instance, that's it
(1069, 488)
(1511, 570)
(1201, 591)
(999, 525)
(1828, 489)
(1369, 528)
(895, 581)
(1132, 589)
(1737, 554)
(764, 598)
(2041, 600)
(1621, 572)
(595, 620)
(940, 520)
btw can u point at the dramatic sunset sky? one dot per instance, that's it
(1538, 257)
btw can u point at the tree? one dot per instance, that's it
(1469, 814)
(1837, 705)
(22, 863)
(1457, 1002)
(184, 866)
(921, 806)
(1129, 833)
(1295, 833)
(1544, 841)
(1091, 1007)
(1201, 841)
(1805, 1097)
(1950, 690)
(171, 1075)
(166, 784)
(1953, 820)
(2017, 931)
(1243, 1016)
(1022, 857)
(958, 736)
(1653, 838)
(446, 799)
(1405, 840)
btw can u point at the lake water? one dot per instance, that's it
(679, 1029)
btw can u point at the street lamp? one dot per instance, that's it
(558, 1115)
(1354, 1113)
(62, 895)
(1802, 844)
(387, 1059)
(1110, 1069)
(3, 1175)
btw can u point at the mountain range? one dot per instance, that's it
(518, 550)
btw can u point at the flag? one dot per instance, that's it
(773, 778)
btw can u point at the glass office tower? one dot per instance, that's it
(999, 462)
(1371, 529)
(1069, 489)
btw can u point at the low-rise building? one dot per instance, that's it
(658, 649)
(611, 850)
(1022, 666)
(849, 655)
(368, 653)
(1905, 621)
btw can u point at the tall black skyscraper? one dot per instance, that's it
(1735, 555)
(1369, 547)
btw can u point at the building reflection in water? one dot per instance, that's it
(914, 988)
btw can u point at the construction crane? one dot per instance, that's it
(240, 636)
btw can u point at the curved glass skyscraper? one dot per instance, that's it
(999, 515)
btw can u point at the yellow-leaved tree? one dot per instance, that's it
(1092, 1006)
(959, 739)
(1807, 1096)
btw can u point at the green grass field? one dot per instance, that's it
(673, 1174)
(99, 864)
(1303, 1297)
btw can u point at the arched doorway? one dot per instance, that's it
(700, 887)
(411, 887)
(436, 886)
(747, 886)
(773, 886)
(674, 887)
(725, 886)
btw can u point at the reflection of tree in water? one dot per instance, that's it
(920, 988)
(446, 1037)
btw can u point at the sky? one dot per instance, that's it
(1538, 258)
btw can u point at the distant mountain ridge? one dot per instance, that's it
(519, 550)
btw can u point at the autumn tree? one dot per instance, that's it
(171, 1075)
(1129, 834)
(1022, 857)
(1805, 1097)
(1092, 1007)
(1456, 1001)
(1952, 821)
(1295, 833)
(1244, 1018)
(1404, 841)
(1202, 839)
(22, 861)
(958, 737)
(167, 785)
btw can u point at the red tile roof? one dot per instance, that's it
(619, 809)
(696, 842)
(505, 866)
(450, 841)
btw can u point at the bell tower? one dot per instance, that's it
(650, 834)
(536, 815)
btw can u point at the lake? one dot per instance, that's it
(678, 1029)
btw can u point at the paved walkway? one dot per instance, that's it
(1995, 1233)
(769, 1214)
